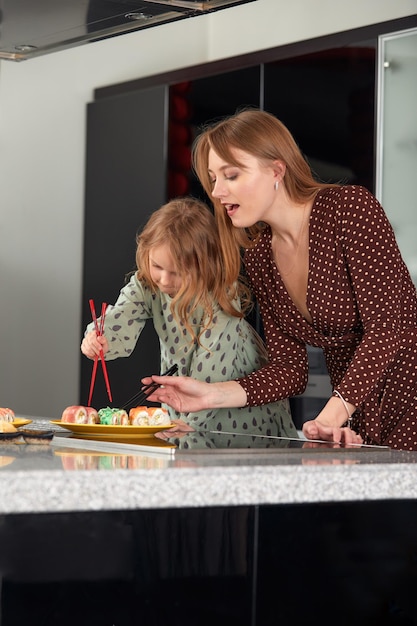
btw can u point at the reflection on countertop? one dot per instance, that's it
(70, 451)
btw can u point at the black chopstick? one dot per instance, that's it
(146, 391)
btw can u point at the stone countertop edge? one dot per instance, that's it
(51, 491)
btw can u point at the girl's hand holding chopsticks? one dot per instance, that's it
(93, 343)
(99, 330)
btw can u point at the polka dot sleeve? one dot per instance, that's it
(381, 288)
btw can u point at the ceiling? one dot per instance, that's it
(30, 28)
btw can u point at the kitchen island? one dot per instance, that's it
(265, 531)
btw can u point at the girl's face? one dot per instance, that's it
(246, 192)
(163, 271)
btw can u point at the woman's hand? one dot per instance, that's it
(182, 393)
(328, 425)
(314, 429)
(185, 394)
(92, 344)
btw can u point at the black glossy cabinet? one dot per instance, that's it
(180, 567)
(349, 563)
(345, 563)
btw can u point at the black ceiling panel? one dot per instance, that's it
(30, 28)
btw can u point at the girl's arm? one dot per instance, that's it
(124, 323)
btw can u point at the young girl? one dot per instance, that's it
(181, 285)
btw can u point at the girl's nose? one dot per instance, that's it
(164, 278)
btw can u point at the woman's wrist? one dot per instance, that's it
(335, 413)
(228, 394)
(346, 406)
(349, 408)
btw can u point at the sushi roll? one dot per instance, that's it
(113, 417)
(139, 416)
(6, 415)
(149, 416)
(80, 415)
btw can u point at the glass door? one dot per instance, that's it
(396, 171)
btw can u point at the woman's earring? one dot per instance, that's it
(276, 185)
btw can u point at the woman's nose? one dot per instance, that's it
(218, 190)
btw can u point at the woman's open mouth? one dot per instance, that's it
(231, 209)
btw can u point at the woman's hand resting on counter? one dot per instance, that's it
(329, 424)
(314, 429)
(92, 344)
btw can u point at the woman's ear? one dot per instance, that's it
(279, 168)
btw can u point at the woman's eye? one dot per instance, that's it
(231, 177)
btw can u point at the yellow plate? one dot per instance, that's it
(19, 421)
(105, 430)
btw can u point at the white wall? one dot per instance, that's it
(42, 150)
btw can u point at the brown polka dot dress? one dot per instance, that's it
(363, 305)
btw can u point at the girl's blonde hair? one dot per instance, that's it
(263, 136)
(187, 226)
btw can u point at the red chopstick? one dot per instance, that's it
(99, 332)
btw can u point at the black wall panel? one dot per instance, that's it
(125, 183)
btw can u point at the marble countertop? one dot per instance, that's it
(73, 474)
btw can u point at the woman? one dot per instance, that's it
(181, 284)
(326, 271)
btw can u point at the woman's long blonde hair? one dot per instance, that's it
(187, 226)
(263, 136)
